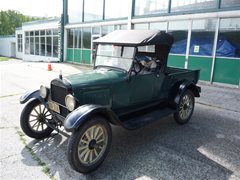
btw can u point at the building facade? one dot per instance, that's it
(8, 46)
(38, 41)
(206, 32)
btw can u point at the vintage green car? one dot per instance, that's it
(129, 86)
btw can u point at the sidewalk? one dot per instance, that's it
(221, 97)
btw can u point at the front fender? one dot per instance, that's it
(82, 113)
(30, 95)
(183, 87)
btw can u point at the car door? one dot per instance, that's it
(145, 88)
(136, 91)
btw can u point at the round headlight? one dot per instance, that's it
(70, 102)
(43, 91)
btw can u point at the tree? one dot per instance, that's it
(10, 20)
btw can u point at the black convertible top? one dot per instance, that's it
(136, 38)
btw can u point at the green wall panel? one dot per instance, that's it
(227, 71)
(77, 55)
(86, 56)
(202, 63)
(69, 55)
(176, 61)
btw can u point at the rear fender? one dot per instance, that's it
(31, 95)
(183, 87)
(83, 113)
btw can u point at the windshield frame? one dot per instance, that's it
(114, 67)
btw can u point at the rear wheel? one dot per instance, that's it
(33, 118)
(185, 108)
(89, 145)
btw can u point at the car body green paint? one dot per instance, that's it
(114, 88)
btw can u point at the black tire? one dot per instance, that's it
(185, 108)
(27, 124)
(81, 141)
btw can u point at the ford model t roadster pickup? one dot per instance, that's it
(130, 86)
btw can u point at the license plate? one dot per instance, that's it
(54, 106)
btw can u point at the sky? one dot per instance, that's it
(40, 8)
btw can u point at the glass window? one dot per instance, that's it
(55, 31)
(36, 33)
(231, 3)
(42, 33)
(86, 38)
(228, 38)
(158, 26)
(120, 27)
(115, 56)
(19, 42)
(116, 8)
(150, 48)
(178, 25)
(143, 7)
(43, 45)
(75, 38)
(202, 37)
(179, 30)
(96, 30)
(37, 48)
(93, 10)
(75, 10)
(49, 46)
(78, 40)
(192, 5)
(49, 32)
(123, 27)
(70, 38)
(31, 45)
(142, 26)
(107, 30)
(26, 33)
(55, 42)
(55, 46)
(27, 45)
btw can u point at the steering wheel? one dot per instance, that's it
(136, 67)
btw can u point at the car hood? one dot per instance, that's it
(95, 77)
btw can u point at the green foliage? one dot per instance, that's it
(10, 20)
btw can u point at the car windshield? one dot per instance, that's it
(114, 56)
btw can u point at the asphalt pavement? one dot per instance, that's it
(208, 147)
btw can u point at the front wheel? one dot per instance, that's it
(89, 145)
(185, 108)
(33, 118)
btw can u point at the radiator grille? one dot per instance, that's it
(58, 94)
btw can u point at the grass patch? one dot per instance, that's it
(45, 169)
(4, 58)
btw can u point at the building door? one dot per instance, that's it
(13, 49)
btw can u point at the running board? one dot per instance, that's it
(138, 121)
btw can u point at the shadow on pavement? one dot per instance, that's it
(162, 150)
